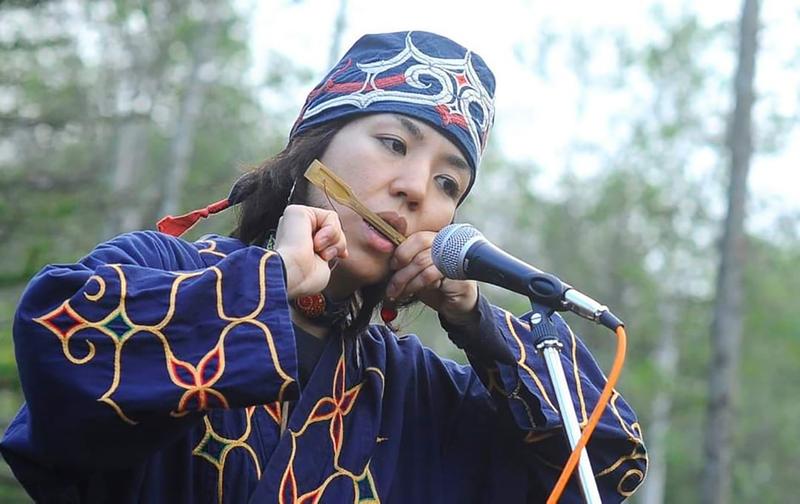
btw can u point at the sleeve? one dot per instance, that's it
(119, 353)
(524, 396)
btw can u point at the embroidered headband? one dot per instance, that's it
(419, 74)
(416, 73)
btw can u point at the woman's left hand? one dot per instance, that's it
(415, 274)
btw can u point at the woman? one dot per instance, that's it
(245, 369)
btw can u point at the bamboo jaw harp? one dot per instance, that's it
(330, 184)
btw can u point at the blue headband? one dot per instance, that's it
(418, 74)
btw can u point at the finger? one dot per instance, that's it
(339, 240)
(335, 239)
(324, 237)
(405, 253)
(329, 253)
(429, 278)
(325, 223)
(330, 232)
(294, 226)
(399, 281)
(326, 218)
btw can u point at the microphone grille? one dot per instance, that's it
(449, 247)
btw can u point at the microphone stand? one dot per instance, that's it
(547, 343)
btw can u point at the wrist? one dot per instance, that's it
(482, 338)
(462, 316)
(289, 274)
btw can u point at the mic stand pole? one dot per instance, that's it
(547, 343)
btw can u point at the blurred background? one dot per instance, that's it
(646, 152)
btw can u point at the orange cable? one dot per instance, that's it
(594, 419)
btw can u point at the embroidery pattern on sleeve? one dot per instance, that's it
(198, 379)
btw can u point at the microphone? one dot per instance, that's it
(461, 252)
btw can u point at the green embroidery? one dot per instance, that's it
(118, 326)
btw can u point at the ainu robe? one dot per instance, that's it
(157, 370)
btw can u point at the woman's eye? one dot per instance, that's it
(394, 145)
(449, 186)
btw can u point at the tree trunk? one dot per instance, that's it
(726, 328)
(182, 143)
(666, 362)
(129, 157)
(137, 82)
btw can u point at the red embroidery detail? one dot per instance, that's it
(311, 497)
(450, 118)
(337, 432)
(352, 87)
(347, 402)
(63, 321)
(323, 410)
(390, 81)
(184, 373)
(198, 381)
(209, 370)
(274, 410)
(288, 486)
(328, 83)
(333, 408)
(339, 381)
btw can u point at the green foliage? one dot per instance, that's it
(771, 349)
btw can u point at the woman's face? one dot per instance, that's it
(403, 170)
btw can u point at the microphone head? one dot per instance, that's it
(450, 246)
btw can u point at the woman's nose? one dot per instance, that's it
(411, 183)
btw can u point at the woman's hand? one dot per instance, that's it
(308, 238)
(415, 273)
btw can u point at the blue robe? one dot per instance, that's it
(156, 370)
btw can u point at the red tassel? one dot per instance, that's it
(176, 226)
(388, 313)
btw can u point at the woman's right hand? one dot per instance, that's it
(308, 238)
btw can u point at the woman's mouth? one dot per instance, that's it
(376, 240)
(395, 220)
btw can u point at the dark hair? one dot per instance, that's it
(264, 193)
